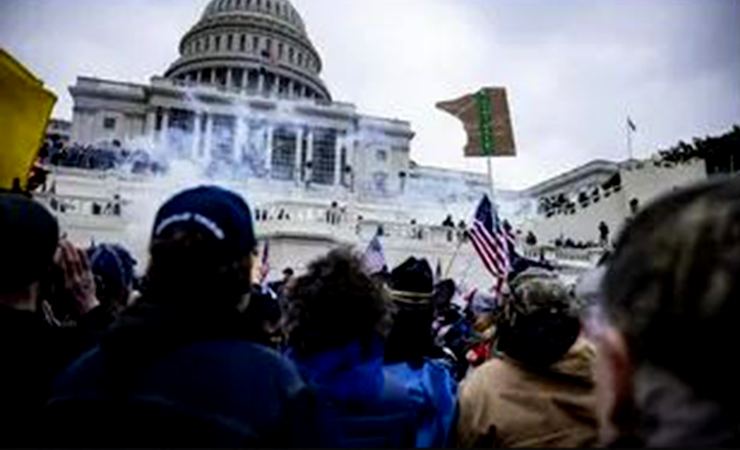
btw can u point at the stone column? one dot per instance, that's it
(207, 150)
(229, 78)
(298, 150)
(276, 87)
(269, 141)
(164, 133)
(260, 83)
(338, 160)
(196, 136)
(309, 155)
(239, 140)
(150, 126)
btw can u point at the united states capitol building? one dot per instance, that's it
(244, 107)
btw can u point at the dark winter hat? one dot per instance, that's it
(113, 264)
(221, 214)
(29, 236)
(412, 282)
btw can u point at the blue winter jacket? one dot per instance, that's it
(434, 391)
(370, 407)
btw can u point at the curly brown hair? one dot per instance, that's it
(336, 302)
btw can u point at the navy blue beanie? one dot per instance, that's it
(113, 264)
(222, 215)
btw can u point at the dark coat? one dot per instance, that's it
(171, 377)
(32, 354)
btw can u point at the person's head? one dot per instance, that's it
(412, 287)
(29, 236)
(335, 303)
(537, 323)
(201, 250)
(113, 267)
(288, 274)
(671, 294)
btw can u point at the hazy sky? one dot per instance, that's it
(575, 69)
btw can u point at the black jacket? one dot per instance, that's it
(169, 377)
(32, 353)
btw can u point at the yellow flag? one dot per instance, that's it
(25, 108)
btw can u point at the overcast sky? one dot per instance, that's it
(575, 69)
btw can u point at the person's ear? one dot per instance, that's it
(614, 393)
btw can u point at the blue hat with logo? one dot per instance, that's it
(221, 215)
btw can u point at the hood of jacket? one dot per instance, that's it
(349, 374)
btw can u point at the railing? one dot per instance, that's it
(311, 221)
(83, 205)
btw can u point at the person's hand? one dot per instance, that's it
(79, 280)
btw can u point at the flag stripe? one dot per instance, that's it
(483, 256)
(492, 241)
(488, 246)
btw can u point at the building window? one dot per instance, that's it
(381, 155)
(380, 183)
(243, 43)
(300, 59)
(224, 128)
(109, 123)
(229, 42)
(218, 43)
(207, 43)
(284, 148)
(324, 156)
(291, 55)
(255, 43)
(281, 50)
(269, 6)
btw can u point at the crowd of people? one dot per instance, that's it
(196, 353)
(58, 154)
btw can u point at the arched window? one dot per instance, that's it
(218, 43)
(243, 43)
(300, 59)
(269, 6)
(207, 43)
(255, 44)
(281, 50)
(291, 55)
(229, 42)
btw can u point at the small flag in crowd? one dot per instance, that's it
(265, 266)
(374, 257)
(489, 240)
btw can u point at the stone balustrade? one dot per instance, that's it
(309, 221)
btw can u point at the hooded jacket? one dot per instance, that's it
(172, 377)
(371, 408)
(506, 404)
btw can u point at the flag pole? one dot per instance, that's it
(490, 176)
(629, 139)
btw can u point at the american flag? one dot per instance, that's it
(374, 257)
(265, 266)
(492, 243)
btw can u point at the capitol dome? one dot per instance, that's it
(254, 46)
